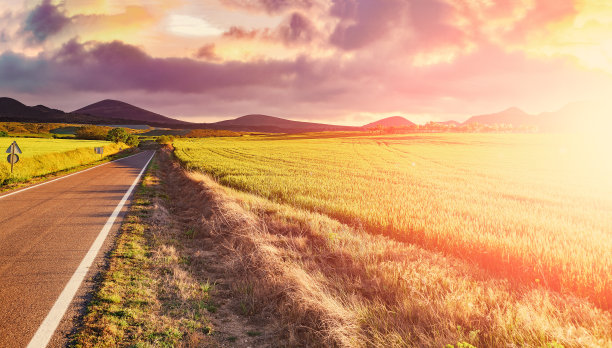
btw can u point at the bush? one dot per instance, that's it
(132, 140)
(91, 133)
(117, 135)
(165, 139)
(3, 134)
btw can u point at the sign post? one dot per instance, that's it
(99, 150)
(13, 158)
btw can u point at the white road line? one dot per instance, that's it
(65, 176)
(47, 328)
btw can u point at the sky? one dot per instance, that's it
(336, 61)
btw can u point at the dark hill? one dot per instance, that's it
(118, 110)
(263, 123)
(12, 110)
(393, 121)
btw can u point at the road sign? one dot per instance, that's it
(12, 158)
(13, 148)
(99, 150)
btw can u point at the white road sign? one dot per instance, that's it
(13, 148)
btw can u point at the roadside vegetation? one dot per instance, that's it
(534, 209)
(165, 285)
(146, 291)
(41, 157)
(330, 284)
(284, 276)
(280, 275)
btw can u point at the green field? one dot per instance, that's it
(34, 147)
(44, 156)
(533, 208)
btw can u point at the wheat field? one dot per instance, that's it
(535, 209)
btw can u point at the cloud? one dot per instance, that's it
(296, 29)
(270, 6)
(207, 52)
(490, 76)
(45, 20)
(314, 58)
(240, 33)
(111, 66)
(131, 17)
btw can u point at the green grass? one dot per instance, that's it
(41, 157)
(534, 208)
(36, 147)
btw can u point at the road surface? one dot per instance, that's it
(45, 234)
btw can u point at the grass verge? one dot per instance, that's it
(50, 166)
(146, 298)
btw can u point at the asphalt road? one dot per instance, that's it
(45, 234)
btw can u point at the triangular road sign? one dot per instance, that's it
(17, 149)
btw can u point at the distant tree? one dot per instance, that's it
(118, 135)
(132, 140)
(91, 133)
(3, 134)
(165, 139)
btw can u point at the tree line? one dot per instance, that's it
(117, 135)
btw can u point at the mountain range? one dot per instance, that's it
(571, 117)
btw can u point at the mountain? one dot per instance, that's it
(513, 116)
(118, 110)
(393, 121)
(12, 110)
(263, 123)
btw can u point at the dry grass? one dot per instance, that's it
(332, 285)
(148, 297)
(288, 277)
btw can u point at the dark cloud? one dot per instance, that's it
(415, 22)
(270, 6)
(243, 34)
(365, 21)
(118, 66)
(207, 52)
(44, 21)
(422, 25)
(295, 29)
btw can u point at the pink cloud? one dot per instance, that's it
(270, 6)
(296, 29)
(382, 38)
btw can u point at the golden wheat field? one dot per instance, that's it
(533, 208)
